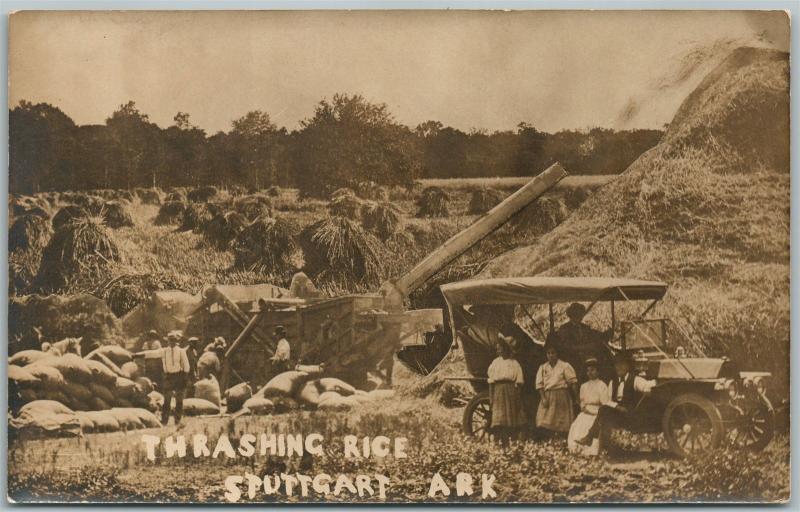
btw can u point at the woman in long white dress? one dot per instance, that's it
(593, 394)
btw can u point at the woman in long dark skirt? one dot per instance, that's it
(505, 383)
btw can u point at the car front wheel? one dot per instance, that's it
(692, 424)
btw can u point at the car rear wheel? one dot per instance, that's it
(477, 420)
(692, 424)
(754, 428)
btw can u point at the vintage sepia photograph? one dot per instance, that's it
(398, 256)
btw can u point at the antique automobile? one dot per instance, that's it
(697, 403)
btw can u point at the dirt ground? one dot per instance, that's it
(103, 467)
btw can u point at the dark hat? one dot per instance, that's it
(279, 329)
(576, 309)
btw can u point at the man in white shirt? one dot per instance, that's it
(625, 391)
(281, 360)
(176, 370)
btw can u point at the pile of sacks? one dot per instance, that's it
(295, 389)
(45, 389)
(206, 399)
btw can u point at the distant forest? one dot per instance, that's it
(348, 140)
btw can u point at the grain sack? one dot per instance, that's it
(101, 374)
(130, 370)
(71, 366)
(256, 405)
(26, 357)
(381, 393)
(208, 389)
(148, 419)
(101, 392)
(124, 388)
(122, 403)
(22, 378)
(197, 407)
(145, 385)
(328, 395)
(103, 421)
(310, 393)
(47, 417)
(49, 377)
(285, 384)
(115, 353)
(155, 401)
(25, 396)
(98, 404)
(76, 391)
(108, 363)
(208, 364)
(127, 418)
(284, 404)
(236, 396)
(311, 369)
(338, 404)
(87, 425)
(337, 385)
(78, 405)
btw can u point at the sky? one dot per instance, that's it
(468, 69)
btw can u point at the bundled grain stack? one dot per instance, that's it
(340, 192)
(125, 292)
(149, 195)
(266, 245)
(116, 215)
(274, 191)
(253, 206)
(175, 196)
(337, 248)
(123, 195)
(202, 194)
(346, 205)
(81, 250)
(29, 232)
(67, 214)
(433, 203)
(384, 219)
(171, 212)
(706, 210)
(92, 204)
(223, 230)
(484, 199)
(35, 318)
(540, 217)
(372, 191)
(197, 216)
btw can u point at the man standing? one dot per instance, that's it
(176, 372)
(281, 359)
(578, 342)
(151, 341)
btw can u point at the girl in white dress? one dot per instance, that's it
(593, 394)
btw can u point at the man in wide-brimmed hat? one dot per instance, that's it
(176, 373)
(578, 341)
(281, 359)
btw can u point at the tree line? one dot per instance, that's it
(347, 140)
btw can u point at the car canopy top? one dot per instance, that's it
(544, 290)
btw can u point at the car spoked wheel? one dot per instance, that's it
(754, 428)
(692, 424)
(477, 421)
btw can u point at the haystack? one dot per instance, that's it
(484, 199)
(223, 229)
(66, 214)
(175, 196)
(346, 205)
(35, 318)
(266, 245)
(126, 292)
(433, 203)
(93, 204)
(339, 192)
(171, 212)
(540, 217)
(339, 249)
(79, 251)
(372, 191)
(29, 232)
(707, 211)
(116, 215)
(274, 191)
(196, 217)
(253, 206)
(202, 194)
(149, 195)
(123, 195)
(384, 219)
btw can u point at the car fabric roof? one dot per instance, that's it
(542, 290)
